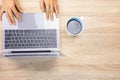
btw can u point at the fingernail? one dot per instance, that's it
(21, 11)
(10, 23)
(47, 18)
(57, 16)
(43, 11)
(20, 20)
(14, 24)
(52, 19)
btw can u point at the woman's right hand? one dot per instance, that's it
(11, 8)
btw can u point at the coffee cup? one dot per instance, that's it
(75, 26)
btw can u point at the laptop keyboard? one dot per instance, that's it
(23, 39)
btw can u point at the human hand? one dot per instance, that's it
(49, 6)
(11, 8)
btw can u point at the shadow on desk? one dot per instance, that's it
(34, 64)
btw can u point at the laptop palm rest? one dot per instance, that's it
(31, 21)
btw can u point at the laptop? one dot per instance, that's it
(34, 36)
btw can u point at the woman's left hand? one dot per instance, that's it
(50, 7)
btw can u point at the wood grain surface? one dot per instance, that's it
(93, 55)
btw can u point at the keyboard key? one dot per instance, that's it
(22, 39)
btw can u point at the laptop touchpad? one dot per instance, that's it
(30, 21)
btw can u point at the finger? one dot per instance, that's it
(7, 15)
(56, 10)
(51, 13)
(1, 12)
(18, 7)
(16, 13)
(11, 17)
(42, 5)
(47, 12)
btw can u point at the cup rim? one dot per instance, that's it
(78, 20)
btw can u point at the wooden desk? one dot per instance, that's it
(94, 55)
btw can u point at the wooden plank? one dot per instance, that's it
(93, 55)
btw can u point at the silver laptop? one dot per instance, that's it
(34, 36)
